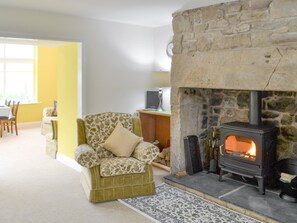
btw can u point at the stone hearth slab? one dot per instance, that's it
(244, 195)
(269, 204)
(207, 183)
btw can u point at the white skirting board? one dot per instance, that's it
(68, 162)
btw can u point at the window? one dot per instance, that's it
(17, 72)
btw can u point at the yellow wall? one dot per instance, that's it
(67, 69)
(46, 85)
(57, 69)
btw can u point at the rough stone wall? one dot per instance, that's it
(243, 45)
(206, 109)
(278, 108)
(236, 25)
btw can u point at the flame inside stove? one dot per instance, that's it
(241, 146)
(252, 150)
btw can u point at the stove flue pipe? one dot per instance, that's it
(255, 107)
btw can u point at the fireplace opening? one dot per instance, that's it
(249, 149)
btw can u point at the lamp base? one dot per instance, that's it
(160, 106)
(160, 109)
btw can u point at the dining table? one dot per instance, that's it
(5, 113)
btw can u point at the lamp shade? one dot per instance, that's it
(161, 78)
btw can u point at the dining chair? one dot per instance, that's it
(7, 102)
(11, 121)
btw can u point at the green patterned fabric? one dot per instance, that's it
(120, 166)
(104, 176)
(146, 152)
(86, 156)
(99, 189)
(81, 132)
(103, 153)
(98, 127)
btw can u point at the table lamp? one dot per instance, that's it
(161, 79)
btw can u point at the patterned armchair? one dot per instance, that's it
(47, 117)
(107, 177)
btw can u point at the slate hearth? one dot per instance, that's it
(242, 196)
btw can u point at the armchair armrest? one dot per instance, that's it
(103, 153)
(86, 156)
(146, 152)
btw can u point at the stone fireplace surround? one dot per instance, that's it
(223, 51)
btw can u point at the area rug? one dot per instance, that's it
(172, 205)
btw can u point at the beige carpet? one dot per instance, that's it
(37, 188)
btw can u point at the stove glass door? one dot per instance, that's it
(241, 147)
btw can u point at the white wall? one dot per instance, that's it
(117, 58)
(162, 35)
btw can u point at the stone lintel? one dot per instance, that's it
(244, 69)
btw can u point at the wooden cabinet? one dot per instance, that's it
(156, 126)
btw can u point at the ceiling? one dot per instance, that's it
(150, 13)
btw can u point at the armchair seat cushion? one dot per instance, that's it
(121, 166)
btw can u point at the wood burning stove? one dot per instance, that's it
(249, 149)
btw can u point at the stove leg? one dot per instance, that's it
(261, 185)
(221, 175)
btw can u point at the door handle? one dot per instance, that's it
(221, 147)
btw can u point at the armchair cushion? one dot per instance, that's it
(98, 127)
(103, 153)
(86, 156)
(120, 166)
(146, 152)
(121, 142)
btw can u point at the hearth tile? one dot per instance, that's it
(269, 220)
(182, 187)
(207, 183)
(269, 204)
(198, 193)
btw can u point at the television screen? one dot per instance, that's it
(152, 100)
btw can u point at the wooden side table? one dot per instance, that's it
(156, 126)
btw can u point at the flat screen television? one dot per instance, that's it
(152, 100)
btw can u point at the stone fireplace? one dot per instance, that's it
(222, 52)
